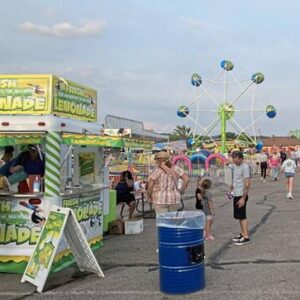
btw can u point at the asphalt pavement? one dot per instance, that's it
(266, 268)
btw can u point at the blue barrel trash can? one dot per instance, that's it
(181, 252)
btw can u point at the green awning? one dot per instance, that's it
(92, 140)
(20, 139)
(8, 139)
(105, 141)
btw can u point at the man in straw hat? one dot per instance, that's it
(163, 191)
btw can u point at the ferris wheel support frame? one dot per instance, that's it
(223, 131)
(225, 110)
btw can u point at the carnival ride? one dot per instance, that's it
(231, 92)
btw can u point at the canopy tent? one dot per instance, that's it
(178, 146)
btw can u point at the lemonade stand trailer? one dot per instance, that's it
(42, 109)
(20, 213)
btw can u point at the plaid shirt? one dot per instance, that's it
(165, 189)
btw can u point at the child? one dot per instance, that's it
(204, 202)
(289, 167)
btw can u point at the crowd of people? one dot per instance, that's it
(276, 161)
(164, 192)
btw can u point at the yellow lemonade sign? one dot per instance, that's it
(74, 100)
(24, 94)
(47, 94)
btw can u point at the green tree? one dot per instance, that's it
(295, 133)
(231, 135)
(181, 133)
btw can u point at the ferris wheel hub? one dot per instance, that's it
(226, 108)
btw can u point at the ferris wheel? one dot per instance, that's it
(220, 101)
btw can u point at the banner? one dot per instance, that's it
(137, 143)
(74, 100)
(103, 141)
(24, 139)
(88, 210)
(92, 140)
(25, 94)
(21, 222)
(20, 226)
(47, 94)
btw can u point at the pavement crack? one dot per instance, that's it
(221, 265)
(107, 267)
(265, 218)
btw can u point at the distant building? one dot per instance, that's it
(137, 128)
(281, 141)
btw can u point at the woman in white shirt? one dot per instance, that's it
(289, 167)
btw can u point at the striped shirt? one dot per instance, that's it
(165, 189)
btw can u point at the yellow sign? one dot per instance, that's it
(25, 94)
(47, 94)
(73, 100)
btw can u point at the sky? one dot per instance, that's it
(140, 54)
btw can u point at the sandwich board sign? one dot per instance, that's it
(60, 221)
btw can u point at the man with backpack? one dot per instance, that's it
(240, 189)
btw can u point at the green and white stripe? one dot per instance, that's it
(52, 171)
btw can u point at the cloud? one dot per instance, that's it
(198, 24)
(195, 23)
(65, 29)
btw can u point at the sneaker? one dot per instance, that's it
(291, 197)
(210, 238)
(288, 195)
(237, 238)
(242, 241)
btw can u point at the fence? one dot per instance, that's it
(221, 178)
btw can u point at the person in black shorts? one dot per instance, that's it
(239, 213)
(240, 188)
